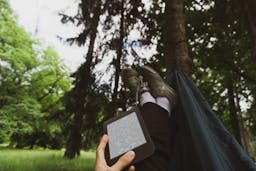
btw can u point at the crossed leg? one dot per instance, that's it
(155, 113)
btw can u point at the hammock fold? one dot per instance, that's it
(199, 141)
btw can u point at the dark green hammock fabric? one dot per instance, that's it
(199, 140)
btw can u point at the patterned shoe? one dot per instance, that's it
(157, 85)
(131, 79)
(134, 82)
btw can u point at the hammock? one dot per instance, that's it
(199, 140)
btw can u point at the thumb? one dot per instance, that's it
(124, 161)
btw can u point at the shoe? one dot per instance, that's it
(157, 86)
(134, 82)
(130, 78)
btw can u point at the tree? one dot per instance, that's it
(31, 84)
(175, 41)
(78, 98)
(212, 34)
(220, 46)
(247, 14)
(75, 100)
(220, 42)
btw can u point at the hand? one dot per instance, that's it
(101, 164)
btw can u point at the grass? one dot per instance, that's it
(44, 160)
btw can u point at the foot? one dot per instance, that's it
(157, 85)
(134, 81)
(130, 78)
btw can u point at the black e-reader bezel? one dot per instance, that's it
(143, 151)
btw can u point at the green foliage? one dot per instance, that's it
(33, 82)
(31, 85)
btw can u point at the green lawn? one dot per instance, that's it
(43, 160)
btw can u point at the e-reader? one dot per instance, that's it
(127, 132)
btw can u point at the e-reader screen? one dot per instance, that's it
(125, 134)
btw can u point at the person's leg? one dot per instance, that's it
(146, 97)
(164, 103)
(156, 119)
(156, 116)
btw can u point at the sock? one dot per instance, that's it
(146, 97)
(164, 103)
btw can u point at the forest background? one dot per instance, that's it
(44, 106)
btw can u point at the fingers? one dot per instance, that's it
(100, 154)
(131, 168)
(124, 161)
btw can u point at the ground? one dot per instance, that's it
(44, 160)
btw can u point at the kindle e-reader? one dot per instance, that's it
(127, 132)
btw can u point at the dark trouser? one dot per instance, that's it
(157, 122)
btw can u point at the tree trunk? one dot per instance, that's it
(175, 43)
(249, 7)
(233, 112)
(242, 126)
(79, 93)
(117, 65)
(74, 140)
